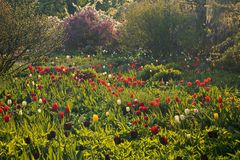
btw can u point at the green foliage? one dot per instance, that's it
(158, 73)
(36, 131)
(229, 52)
(91, 73)
(159, 27)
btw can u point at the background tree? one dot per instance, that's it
(25, 35)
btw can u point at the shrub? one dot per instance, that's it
(229, 53)
(160, 72)
(160, 27)
(166, 75)
(26, 37)
(89, 30)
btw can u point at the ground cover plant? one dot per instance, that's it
(97, 113)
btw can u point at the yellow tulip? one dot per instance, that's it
(95, 118)
(215, 115)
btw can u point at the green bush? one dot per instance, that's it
(160, 28)
(160, 72)
(230, 59)
(166, 75)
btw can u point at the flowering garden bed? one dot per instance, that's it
(70, 113)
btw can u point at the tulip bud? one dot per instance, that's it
(95, 118)
(215, 115)
(9, 102)
(40, 101)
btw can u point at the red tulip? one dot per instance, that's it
(146, 117)
(6, 117)
(220, 105)
(61, 114)
(189, 84)
(207, 89)
(6, 108)
(219, 99)
(55, 106)
(168, 100)
(44, 100)
(207, 98)
(1, 110)
(152, 103)
(197, 82)
(154, 129)
(138, 112)
(194, 95)
(67, 109)
(194, 103)
(131, 95)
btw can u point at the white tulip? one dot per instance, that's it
(24, 103)
(177, 118)
(68, 57)
(40, 101)
(39, 110)
(9, 102)
(187, 111)
(30, 75)
(119, 102)
(107, 114)
(108, 84)
(128, 109)
(33, 83)
(110, 76)
(182, 117)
